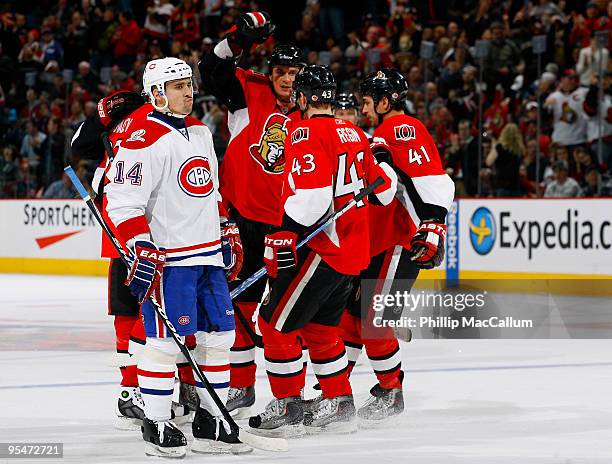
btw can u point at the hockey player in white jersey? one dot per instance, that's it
(162, 197)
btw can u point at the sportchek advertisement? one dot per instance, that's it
(552, 236)
(57, 229)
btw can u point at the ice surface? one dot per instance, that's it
(467, 401)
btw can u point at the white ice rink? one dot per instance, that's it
(467, 401)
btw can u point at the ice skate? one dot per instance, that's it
(181, 413)
(383, 407)
(281, 418)
(212, 435)
(188, 395)
(130, 409)
(240, 400)
(163, 439)
(335, 415)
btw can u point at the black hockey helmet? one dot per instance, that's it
(388, 82)
(345, 101)
(286, 55)
(317, 83)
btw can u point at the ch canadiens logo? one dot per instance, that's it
(195, 177)
(270, 151)
(404, 132)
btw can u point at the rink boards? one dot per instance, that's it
(519, 242)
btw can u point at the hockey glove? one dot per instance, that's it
(427, 245)
(381, 150)
(145, 270)
(117, 106)
(280, 252)
(231, 247)
(250, 28)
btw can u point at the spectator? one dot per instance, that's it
(126, 40)
(8, 171)
(590, 60)
(185, 24)
(503, 61)
(76, 41)
(592, 107)
(26, 185)
(569, 121)
(61, 188)
(563, 186)
(506, 157)
(156, 25)
(52, 50)
(87, 78)
(462, 162)
(31, 147)
(596, 185)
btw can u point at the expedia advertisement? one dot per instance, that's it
(556, 236)
(62, 229)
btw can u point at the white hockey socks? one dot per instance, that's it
(156, 377)
(212, 355)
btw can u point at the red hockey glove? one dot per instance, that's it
(280, 252)
(381, 150)
(231, 247)
(427, 245)
(250, 28)
(145, 270)
(117, 106)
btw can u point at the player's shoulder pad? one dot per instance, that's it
(401, 129)
(190, 121)
(255, 77)
(143, 133)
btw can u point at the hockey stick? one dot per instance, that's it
(324, 223)
(256, 339)
(255, 441)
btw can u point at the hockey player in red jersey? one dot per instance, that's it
(329, 161)
(260, 116)
(406, 235)
(122, 305)
(346, 107)
(162, 198)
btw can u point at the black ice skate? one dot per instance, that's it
(188, 396)
(382, 407)
(281, 418)
(130, 409)
(212, 435)
(240, 400)
(335, 415)
(163, 439)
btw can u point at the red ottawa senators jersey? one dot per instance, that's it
(422, 182)
(253, 169)
(330, 161)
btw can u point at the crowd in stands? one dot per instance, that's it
(58, 57)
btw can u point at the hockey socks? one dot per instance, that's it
(156, 377)
(130, 339)
(242, 355)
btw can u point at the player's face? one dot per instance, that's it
(348, 114)
(369, 111)
(180, 96)
(282, 81)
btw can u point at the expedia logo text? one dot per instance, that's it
(482, 231)
(195, 178)
(270, 151)
(65, 215)
(300, 134)
(404, 132)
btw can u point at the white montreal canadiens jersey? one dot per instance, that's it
(163, 181)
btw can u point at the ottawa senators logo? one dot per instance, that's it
(270, 151)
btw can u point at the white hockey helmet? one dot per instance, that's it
(158, 72)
